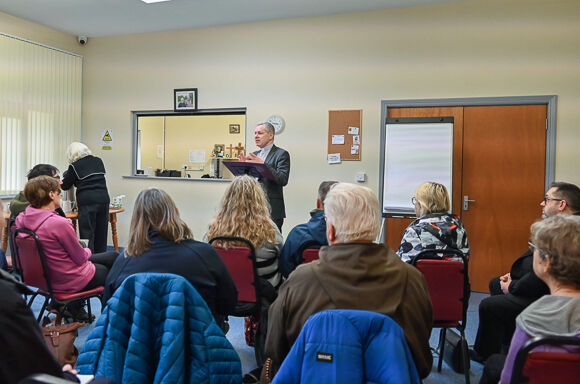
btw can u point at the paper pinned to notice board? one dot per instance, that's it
(333, 158)
(354, 149)
(356, 139)
(337, 139)
(353, 130)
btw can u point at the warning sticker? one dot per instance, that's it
(107, 139)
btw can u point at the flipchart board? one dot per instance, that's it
(413, 151)
(345, 133)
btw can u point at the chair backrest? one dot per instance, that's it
(309, 254)
(241, 263)
(448, 284)
(547, 367)
(29, 257)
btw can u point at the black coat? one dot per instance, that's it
(88, 176)
(526, 287)
(197, 262)
(278, 161)
(24, 350)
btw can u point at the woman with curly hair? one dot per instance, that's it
(245, 212)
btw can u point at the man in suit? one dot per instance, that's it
(514, 291)
(278, 161)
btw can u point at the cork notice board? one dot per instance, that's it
(345, 133)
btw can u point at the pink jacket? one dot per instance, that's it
(68, 262)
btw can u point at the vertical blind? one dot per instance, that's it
(40, 108)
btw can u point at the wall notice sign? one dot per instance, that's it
(107, 140)
(333, 158)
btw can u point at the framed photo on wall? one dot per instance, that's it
(185, 99)
(234, 128)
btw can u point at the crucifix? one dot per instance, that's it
(239, 149)
(230, 148)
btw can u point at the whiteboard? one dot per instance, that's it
(415, 150)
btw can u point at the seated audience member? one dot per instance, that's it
(244, 212)
(24, 351)
(555, 243)
(159, 241)
(514, 291)
(87, 173)
(311, 233)
(19, 203)
(72, 268)
(353, 273)
(435, 228)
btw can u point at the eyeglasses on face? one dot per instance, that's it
(535, 247)
(414, 200)
(548, 198)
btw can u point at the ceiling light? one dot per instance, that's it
(153, 1)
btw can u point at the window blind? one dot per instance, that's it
(40, 108)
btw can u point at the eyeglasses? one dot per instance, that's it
(414, 200)
(547, 198)
(535, 247)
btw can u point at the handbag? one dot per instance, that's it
(60, 339)
(453, 351)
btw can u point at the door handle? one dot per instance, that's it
(466, 202)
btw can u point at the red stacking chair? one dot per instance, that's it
(309, 251)
(448, 284)
(31, 263)
(539, 367)
(241, 263)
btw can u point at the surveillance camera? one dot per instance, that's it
(82, 40)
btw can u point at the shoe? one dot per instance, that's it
(78, 313)
(473, 355)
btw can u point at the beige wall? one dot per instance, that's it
(301, 68)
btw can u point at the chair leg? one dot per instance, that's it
(44, 305)
(465, 356)
(442, 334)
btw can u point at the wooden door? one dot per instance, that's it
(499, 155)
(504, 161)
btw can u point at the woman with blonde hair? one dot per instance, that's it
(160, 241)
(87, 173)
(435, 228)
(245, 212)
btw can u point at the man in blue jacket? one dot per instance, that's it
(312, 233)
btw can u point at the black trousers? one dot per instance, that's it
(103, 263)
(497, 320)
(93, 225)
(279, 223)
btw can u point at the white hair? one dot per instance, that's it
(354, 212)
(76, 151)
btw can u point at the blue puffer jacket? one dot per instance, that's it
(157, 329)
(349, 346)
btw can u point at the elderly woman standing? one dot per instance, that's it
(87, 173)
(435, 228)
(555, 242)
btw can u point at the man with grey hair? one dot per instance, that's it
(278, 161)
(311, 234)
(353, 273)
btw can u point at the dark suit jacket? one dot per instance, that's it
(278, 160)
(526, 287)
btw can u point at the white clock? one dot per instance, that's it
(278, 122)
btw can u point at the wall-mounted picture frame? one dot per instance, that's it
(185, 99)
(234, 128)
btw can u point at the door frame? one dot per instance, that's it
(549, 100)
